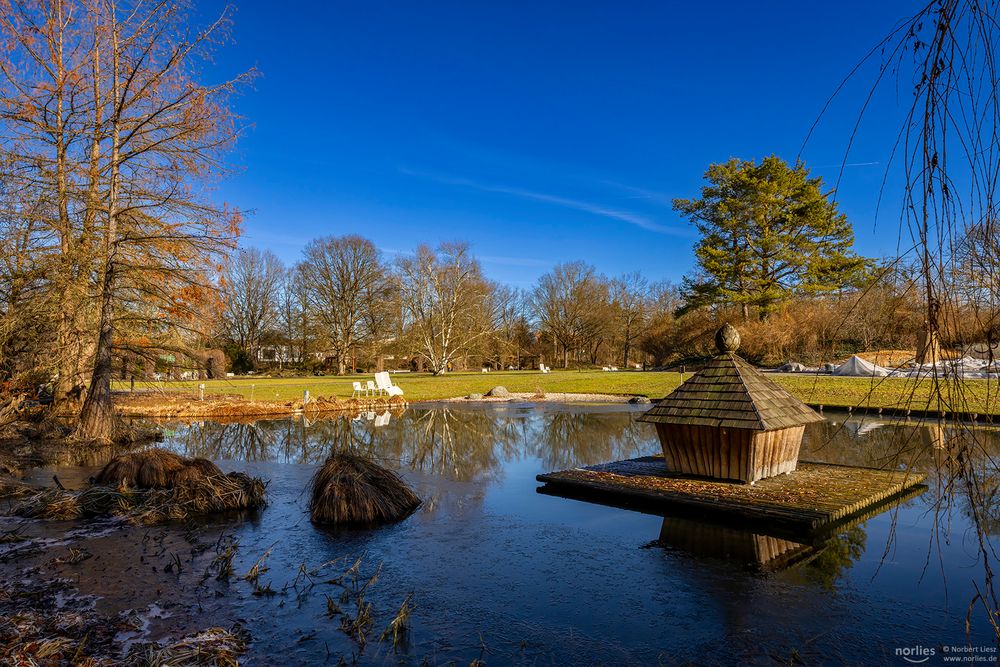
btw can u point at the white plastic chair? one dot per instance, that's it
(371, 389)
(357, 389)
(385, 384)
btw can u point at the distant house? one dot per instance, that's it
(276, 354)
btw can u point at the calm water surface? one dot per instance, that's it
(502, 573)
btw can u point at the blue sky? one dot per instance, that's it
(543, 132)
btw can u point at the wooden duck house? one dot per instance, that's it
(728, 421)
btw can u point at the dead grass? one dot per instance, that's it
(43, 624)
(191, 492)
(222, 407)
(350, 489)
(214, 647)
(154, 469)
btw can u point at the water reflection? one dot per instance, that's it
(476, 445)
(821, 561)
(750, 549)
(461, 444)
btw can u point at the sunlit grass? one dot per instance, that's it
(977, 396)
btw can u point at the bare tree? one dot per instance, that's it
(252, 297)
(345, 282)
(446, 301)
(512, 327)
(292, 314)
(630, 305)
(158, 239)
(570, 304)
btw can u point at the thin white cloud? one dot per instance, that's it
(395, 251)
(513, 261)
(564, 202)
(642, 193)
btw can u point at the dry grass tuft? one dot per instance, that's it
(350, 489)
(10, 488)
(154, 469)
(214, 647)
(192, 493)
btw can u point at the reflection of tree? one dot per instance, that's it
(980, 497)
(460, 444)
(837, 556)
(457, 443)
(570, 439)
(233, 441)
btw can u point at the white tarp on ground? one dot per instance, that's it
(858, 367)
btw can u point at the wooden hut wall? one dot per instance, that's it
(727, 453)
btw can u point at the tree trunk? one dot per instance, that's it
(97, 416)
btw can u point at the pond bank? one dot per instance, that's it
(973, 396)
(160, 405)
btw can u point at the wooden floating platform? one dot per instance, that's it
(814, 496)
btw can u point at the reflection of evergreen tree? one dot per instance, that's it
(979, 490)
(839, 555)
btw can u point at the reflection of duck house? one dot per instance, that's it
(730, 422)
(751, 549)
(764, 548)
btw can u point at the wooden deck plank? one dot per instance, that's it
(814, 495)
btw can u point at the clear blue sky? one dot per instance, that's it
(542, 132)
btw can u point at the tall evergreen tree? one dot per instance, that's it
(768, 232)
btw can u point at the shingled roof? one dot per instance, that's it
(730, 393)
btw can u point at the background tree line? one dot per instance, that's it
(773, 253)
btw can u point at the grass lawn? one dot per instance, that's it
(970, 396)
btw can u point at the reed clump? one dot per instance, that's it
(350, 489)
(150, 487)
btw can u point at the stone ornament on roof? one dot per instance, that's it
(727, 338)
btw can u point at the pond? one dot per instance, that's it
(496, 571)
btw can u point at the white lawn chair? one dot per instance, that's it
(357, 389)
(371, 389)
(543, 368)
(614, 369)
(485, 370)
(605, 369)
(385, 384)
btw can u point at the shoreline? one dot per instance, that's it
(534, 397)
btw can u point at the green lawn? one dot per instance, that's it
(972, 395)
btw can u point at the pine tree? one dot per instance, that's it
(768, 232)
